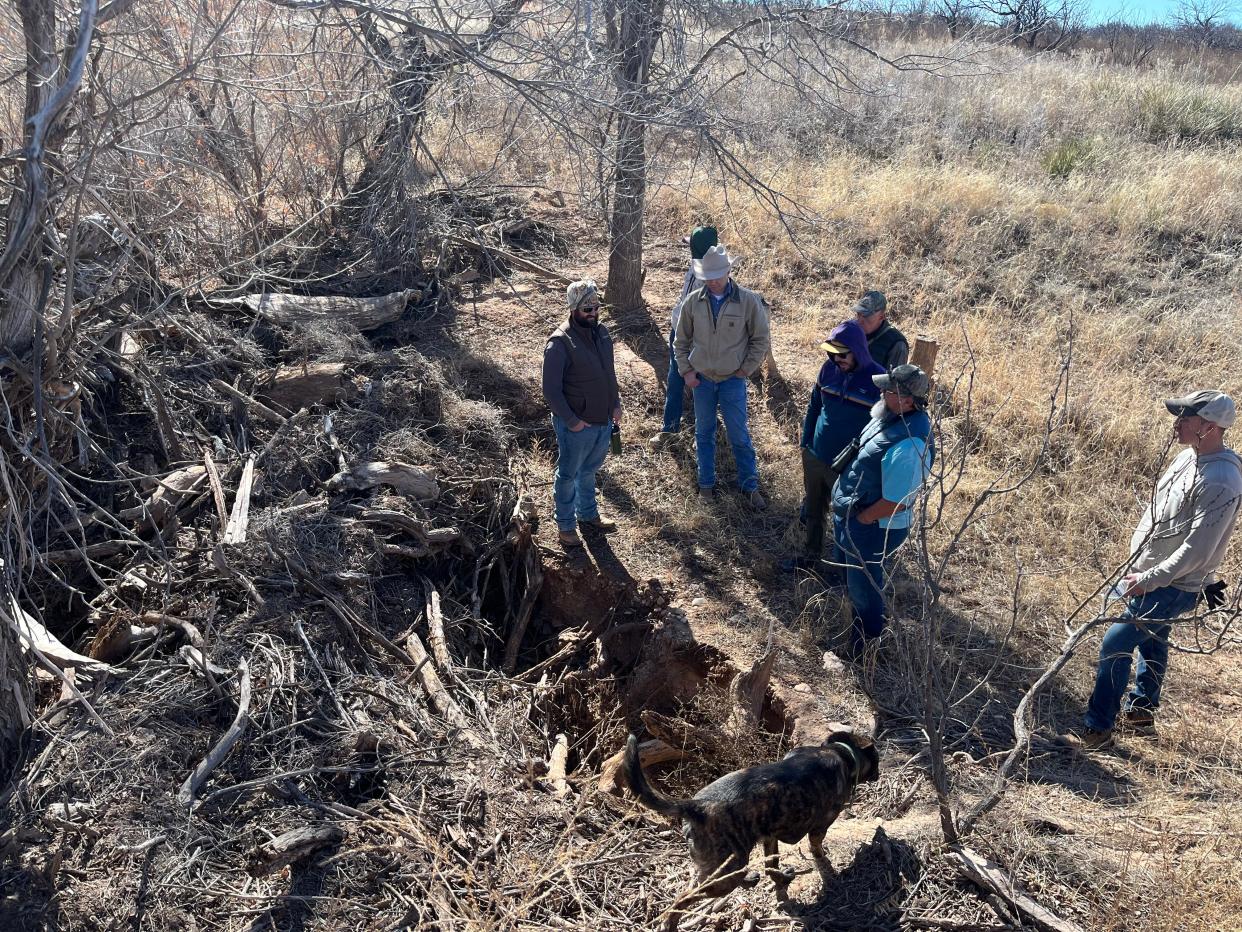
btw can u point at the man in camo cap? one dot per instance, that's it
(580, 386)
(873, 500)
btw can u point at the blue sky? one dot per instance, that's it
(1142, 11)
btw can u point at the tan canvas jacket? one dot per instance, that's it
(738, 339)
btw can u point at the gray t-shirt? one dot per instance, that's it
(1185, 529)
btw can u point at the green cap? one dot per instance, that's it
(701, 240)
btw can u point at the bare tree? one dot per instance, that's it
(1203, 22)
(955, 14)
(1038, 24)
(1128, 44)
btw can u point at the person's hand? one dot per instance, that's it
(581, 425)
(616, 415)
(740, 374)
(1129, 585)
(692, 379)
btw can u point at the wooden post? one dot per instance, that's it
(924, 354)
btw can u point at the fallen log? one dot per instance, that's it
(294, 387)
(992, 878)
(439, 697)
(292, 847)
(612, 777)
(413, 480)
(435, 627)
(299, 310)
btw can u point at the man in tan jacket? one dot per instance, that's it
(722, 338)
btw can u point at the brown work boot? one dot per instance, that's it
(757, 501)
(1139, 721)
(1089, 739)
(599, 523)
(569, 540)
(707, 494)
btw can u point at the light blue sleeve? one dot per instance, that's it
(902, 472)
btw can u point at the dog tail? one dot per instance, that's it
(647, 794)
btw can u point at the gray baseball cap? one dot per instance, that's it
(873, 302)
(905, 379)
(1210, 405)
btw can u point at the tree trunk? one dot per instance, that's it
(633, 31)
(20, 283)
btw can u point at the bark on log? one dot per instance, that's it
(557, 762)
(413, 480)
(979, 870)
(748, 692)
(294, 310)
(194, 782)
(435, 627)
(239, 520)
(612, 777)
(291, 848)
(295, 387)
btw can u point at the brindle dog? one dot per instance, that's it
(801, 795)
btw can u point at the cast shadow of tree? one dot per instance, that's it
(868, 894)
(983, 679)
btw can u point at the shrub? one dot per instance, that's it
(1073, 154)
(1178, 112)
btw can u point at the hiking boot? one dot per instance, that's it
(599, 523)
(1089, 739)
(706, 495)
(662, 440)
(757, 501)
(569, 540)
(1140, 721)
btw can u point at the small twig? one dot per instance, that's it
(189, 789)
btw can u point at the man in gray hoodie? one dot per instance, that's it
(1176, 548)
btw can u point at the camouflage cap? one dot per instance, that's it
(905, 379)
(873, 302)
(580, 292)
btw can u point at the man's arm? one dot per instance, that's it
(812, 415)
(1215, 508)
(555, 361)
(760, 338)
(685, 336)
(899, 355)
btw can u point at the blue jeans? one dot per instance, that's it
(675, 392)
(580, 455)
(730, 397)
(864, 549)
(1147, 633)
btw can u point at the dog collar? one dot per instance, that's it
(853, 756)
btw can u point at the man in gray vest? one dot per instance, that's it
(1176, 549)
(580, 385)
(873, 499)
(887, 345)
